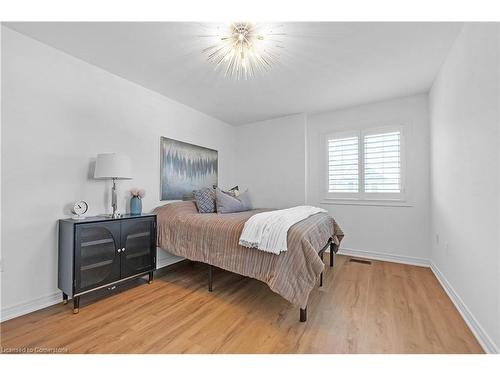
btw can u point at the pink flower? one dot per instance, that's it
(135, 192)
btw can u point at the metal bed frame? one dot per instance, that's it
(303, 312)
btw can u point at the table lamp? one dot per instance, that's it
(114, 167)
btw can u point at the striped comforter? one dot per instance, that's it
(213, 239)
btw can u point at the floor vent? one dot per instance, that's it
(362, 261)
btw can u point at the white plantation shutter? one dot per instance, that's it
(343, 164)
(367, 165)
(382, 162)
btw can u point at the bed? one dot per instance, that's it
(213, 239)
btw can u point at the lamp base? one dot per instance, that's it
(114, 205)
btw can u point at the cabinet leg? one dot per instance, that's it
(65, 298)
(76, 305)
(151, 276)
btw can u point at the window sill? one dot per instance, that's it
(366, 202)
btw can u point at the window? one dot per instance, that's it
(366, 165)
(382, 163)
(343, 165)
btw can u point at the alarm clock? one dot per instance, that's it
(79, 209)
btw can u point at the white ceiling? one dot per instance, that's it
(323, 66)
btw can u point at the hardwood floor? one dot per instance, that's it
(378, 308)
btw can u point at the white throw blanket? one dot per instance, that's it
(268, 231)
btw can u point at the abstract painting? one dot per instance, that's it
(185, 167)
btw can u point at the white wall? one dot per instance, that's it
(58, 113)
(465, 160)
(400, 232)
(271, 161)
(1, 153)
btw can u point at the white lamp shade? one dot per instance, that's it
(113, 166)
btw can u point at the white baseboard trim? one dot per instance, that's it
(160, 263)
(484, 340)
(27, 307)
(414, 261)
(165, 258)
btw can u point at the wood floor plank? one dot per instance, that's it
(362, 308)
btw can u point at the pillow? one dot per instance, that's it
(234, 191)
(188, 196)
(227, 204)
(205, 200)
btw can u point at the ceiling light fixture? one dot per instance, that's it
(245, 49)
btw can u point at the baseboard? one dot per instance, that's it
(27, 307)
(160, 263)
(165, 258)
(484, 340)
(414, 261)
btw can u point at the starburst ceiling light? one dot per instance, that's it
(245, 49)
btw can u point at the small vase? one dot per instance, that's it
(135, 206)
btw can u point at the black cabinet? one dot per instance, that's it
(99, 252)
(137, 240)
(97, 260)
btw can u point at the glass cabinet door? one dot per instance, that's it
(139, 244)
(97, 261)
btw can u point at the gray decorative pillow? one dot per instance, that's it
(205, 200)
(227, 204)
(234, 191)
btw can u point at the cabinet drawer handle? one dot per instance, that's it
(119, 250)
(123, 250)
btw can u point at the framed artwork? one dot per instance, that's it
(185, 167)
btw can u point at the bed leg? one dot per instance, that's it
(332, 252)
(303, 314)
(210, 278)
(321, 274)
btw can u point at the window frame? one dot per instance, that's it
(362, 197)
